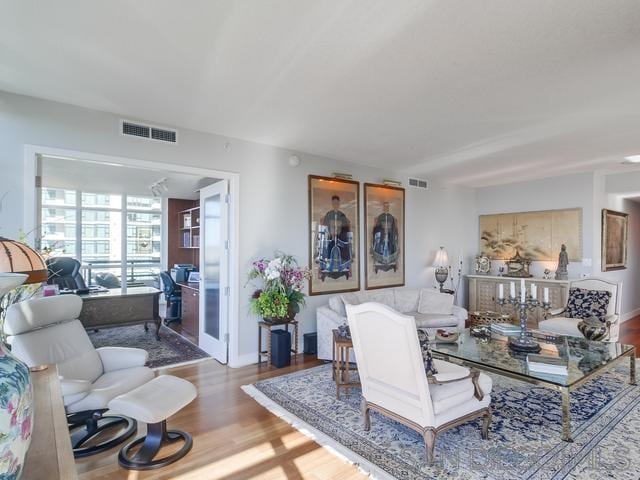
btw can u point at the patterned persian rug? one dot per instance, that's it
(524, 439)
(171, 349)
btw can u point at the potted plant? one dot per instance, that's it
(280, 296)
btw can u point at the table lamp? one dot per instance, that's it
(16, 257)
(441, 264)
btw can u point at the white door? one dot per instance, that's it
(214, 270)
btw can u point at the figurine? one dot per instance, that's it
(563, 263)
(547, 274)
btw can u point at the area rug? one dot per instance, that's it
(524, 440)
(171, 349)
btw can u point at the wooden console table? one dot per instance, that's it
(50, 455)
(120, 306)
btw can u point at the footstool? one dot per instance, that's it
(152, 403)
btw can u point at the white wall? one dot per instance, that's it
(569, 191)
(273, 195)
(613, 194)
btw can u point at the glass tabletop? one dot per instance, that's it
(582, 356)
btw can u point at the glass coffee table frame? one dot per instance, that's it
(586, 360)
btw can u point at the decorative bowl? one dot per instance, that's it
(593, 329)
(442, 336)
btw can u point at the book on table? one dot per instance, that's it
(547, 364)
(505, 329)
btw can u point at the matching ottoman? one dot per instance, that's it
(153, 403)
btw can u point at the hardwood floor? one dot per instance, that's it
(236, 438)
(233, 436)
(630, 333)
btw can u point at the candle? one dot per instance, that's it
(546, 295)
(512, 290)
(523, 291)
(501, 291)
(534, 291)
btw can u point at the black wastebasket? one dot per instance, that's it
(280, 348)
(310, 341)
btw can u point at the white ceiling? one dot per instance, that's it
(104, 178)
(475, 92)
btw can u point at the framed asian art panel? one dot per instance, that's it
(615, 226)
(384, 230)
(334, 239)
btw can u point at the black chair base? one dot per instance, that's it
(157, 437)
(85, 426)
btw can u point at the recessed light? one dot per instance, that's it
(632, 159)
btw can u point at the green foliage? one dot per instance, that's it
(271, 304)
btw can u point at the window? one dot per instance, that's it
(98, 242)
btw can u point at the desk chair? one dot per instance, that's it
(173, 296)
(65, 272)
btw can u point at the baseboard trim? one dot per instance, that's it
(244, 360)
(630, 315)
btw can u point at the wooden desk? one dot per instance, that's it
(191, 309)
(120, 306)
(50, 455)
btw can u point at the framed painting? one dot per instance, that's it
(384, 241)
(615, 226)
(334, 239)
(536, 236)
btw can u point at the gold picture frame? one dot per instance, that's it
(615, 231)
(384, 216)
(334, 235)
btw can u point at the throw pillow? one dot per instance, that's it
(432, 301)
(585, 304)
(427, 357)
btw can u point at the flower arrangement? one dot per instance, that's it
(281, 296)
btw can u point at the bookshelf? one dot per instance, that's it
(190, 228)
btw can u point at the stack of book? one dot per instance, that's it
(505, 329)
(547, 364)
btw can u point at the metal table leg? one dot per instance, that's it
(566, 415)
(632, 368)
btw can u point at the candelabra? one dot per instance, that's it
(524, 342)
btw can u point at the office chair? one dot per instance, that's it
(173, 296)
(65, 272)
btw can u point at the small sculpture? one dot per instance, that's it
(563, 263)
(547, 274)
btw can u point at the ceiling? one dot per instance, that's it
(111, 178)
(472, 92)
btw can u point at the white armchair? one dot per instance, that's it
(561, 325)
(46, 331)
(394, 382)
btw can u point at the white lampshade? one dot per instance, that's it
(9, 281)
(442, 258)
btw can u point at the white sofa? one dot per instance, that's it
(404, 300)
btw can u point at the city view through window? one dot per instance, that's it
(114, 236)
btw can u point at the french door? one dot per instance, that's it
(214, 270)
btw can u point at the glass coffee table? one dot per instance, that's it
(586, 360)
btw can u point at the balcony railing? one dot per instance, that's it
(137, 272)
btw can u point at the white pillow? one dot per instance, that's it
(433, 301)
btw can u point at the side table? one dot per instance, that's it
(341, 366)
(268, 326)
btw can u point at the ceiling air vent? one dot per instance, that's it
(147, 131)
(418, 183)
(164, 135)
(135, 129)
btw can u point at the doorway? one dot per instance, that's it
(216, 306)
